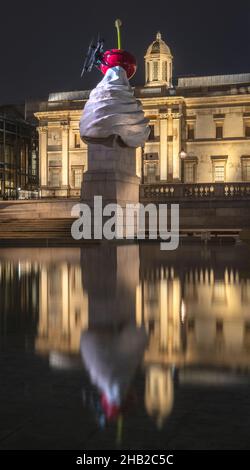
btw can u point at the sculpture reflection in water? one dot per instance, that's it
(113, 347)
(191, 307)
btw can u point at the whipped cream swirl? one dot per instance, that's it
(112, 110)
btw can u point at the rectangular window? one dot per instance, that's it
(247, 130)
(152, 132)
(151, 170)
(77, 177)
(77, 140)
(189, 172)
(219, 172)
(245, 169)
(190, 131)
(219, 131)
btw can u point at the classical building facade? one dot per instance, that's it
(200, 129)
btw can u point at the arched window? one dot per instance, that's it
(165, 71)
(147, 72)
(155, 71)
(170, 72)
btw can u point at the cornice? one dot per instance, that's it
(221, 100)
(58, 114)
(162, 100)
(213, 141)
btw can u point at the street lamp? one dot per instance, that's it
(183, 155)
(18, 193)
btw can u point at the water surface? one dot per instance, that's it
(125, 347)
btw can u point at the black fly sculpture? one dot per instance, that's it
(94, 55)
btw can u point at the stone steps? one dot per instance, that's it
(41, 228)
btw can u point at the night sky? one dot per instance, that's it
(43, 43)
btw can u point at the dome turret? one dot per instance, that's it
(158, 63)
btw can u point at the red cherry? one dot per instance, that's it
(115, 57)
(111, 410)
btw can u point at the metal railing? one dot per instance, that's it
(195, 191)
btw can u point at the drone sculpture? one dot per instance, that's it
(110, 58)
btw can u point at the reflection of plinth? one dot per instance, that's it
(111, 174)
(110, 276)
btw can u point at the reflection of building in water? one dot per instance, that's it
(19, 291)
(47, 284)
(159, 393)
(193, 303)
(161, 312)
(63, 307)
(218, 316)
(195, 311)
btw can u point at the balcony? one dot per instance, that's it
(195, 191)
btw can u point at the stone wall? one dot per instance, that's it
(193, 214)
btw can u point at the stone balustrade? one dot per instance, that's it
(195, 191)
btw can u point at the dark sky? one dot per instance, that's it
(43, 43)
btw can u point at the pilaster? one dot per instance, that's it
(65, 156)
(176, 147)
(163, 147)
(43, 155)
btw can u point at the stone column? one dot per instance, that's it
(65, 159)
(163, 147)
(176, 147)
(138, 161)
(43, 157)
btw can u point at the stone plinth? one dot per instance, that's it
(111, 174)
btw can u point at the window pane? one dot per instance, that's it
(247, 131)
(155, 70)
(189, 171)
(151, 169)
(77, 140)
(164, 70)
(190, 132)
(219, 173)
(170, 71)
(77, 177)
(219, 132)
(152, 132)
(246, 170)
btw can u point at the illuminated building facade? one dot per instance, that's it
(200, 129)
(19, 172)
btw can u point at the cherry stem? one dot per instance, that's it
(118, 24)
